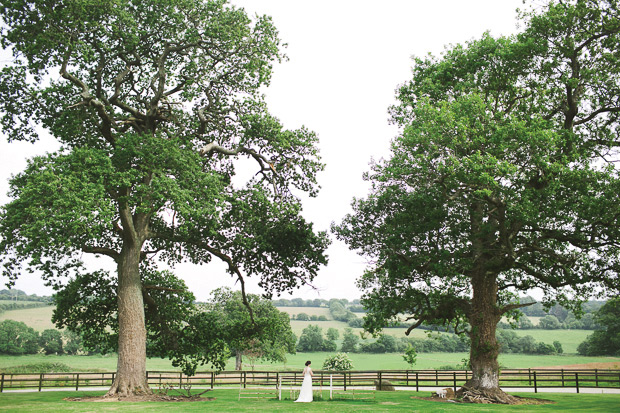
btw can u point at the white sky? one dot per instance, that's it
(346, 58)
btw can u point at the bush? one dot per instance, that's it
(303, 317)
(338, 362)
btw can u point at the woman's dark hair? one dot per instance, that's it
(308, 363)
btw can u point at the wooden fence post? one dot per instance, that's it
(577, 381)
(212, 379)
(40, 381)
(535, 384)
(436, 378)
(77, 381)
(417, 382)
(345, 381)
(454, 380)
(562, 377)
(2, 383)
(596, 376)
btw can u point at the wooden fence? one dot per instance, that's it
(522, 378)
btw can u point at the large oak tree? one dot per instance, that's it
(154, 103)
(502, 180)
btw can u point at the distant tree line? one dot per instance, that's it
(20, 300)
(19, 295)
(312, 339)
(16, 338)
(317, 302)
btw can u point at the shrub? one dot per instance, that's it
(338, 362)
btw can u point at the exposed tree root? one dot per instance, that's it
(487, 396)
(128, 388)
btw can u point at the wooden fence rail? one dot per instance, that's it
(522, 378)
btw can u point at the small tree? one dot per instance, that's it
(311, 339)
(332, 334)
(410, 355)
(338, 362)
(350, 340)
(268, 336)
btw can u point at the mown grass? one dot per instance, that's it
(227, 401)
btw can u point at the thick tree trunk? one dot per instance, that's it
(131, 369)
(239, 361)
(485, 315)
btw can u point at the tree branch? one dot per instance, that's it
(101, 250)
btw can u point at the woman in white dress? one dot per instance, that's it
(305, 394)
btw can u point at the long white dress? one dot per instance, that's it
(305, 394)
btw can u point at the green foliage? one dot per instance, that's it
(607, 340)
(17, 338)
(332, 334)
(50, 341)
(176, 328)
(350, 340)
(155, 105)
(311, 339)
(410, 355)
(266, 335)
(37, 368)
(501, 179)
(339, 312)
(549, 322)
(303, 317)
(338, 362)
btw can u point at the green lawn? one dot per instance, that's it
(227, 401)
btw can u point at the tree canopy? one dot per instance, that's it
(268, 336)
(157, 106)
(605, 341)
(501, 180)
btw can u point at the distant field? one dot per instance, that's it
(570, 339)
(2, 301)
(39, 318)
(534, 320)
(308, 310)
(391, 361)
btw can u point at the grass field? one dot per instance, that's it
(39, 318)
(390, 361)
(225, 400)
(570, 339)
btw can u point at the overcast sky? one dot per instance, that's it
(346, 58)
